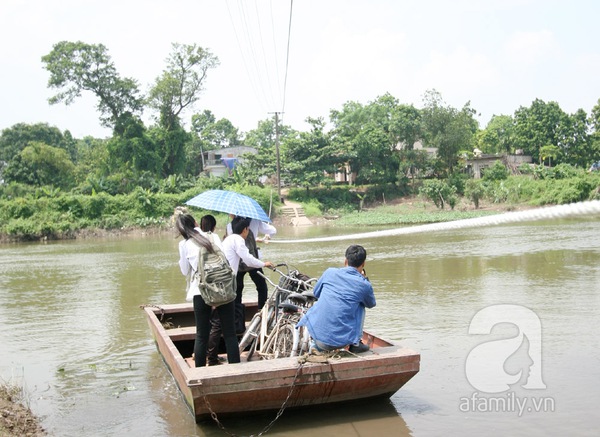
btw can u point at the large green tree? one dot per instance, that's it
(41, 164)
(448, 129)
(497, 137)
(17, 137)
(181, 82)
(372, 136)
(310, 156)
(77, 66)
(263, 139)
(537, 126)
(594, 121)
(576, 146)
(178, 88)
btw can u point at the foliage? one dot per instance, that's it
(448, 129)
(497, 172)
(263, 163)
(181, 83)
(497, 137)
(40, 164)
(439, 192)
(474, 191)
(311, 156)
(76, 66)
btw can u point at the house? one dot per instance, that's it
(220, 162)
(480, 161)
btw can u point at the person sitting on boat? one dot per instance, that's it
(188, 263)
(336, 319)
(236, 251)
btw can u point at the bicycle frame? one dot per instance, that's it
(266, 320)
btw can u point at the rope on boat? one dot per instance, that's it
(214, 416)
(591, 207)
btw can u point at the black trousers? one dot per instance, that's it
(202, 313)
(259, 281)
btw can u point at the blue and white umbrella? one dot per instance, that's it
(229, 202)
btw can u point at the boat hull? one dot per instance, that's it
(264, 385)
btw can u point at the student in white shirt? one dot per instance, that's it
(234, 247)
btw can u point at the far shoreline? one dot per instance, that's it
(415, 212)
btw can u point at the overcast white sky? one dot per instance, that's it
(497, 54)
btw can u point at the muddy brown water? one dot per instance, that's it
(73, 333)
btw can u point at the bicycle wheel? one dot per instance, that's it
(280, 343)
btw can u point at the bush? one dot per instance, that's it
(567, 191)
(497, 172)
(439, 192)
(474, 191)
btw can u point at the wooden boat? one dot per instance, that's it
(262, 385)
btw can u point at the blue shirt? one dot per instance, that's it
(337, 317)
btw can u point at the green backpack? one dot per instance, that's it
(215, 277)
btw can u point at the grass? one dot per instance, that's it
(408, 213)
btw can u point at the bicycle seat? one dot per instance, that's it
(309, 295)
(288, 307)
(298, 297)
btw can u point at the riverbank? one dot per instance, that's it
(15, 417)
(402, 212)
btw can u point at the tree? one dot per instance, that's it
(310, 156)
(576, 142)
(594, 121)
(41, 164)
(181, 83)
(134, 148)
(447, 129)
(16, 138)
(372, 136)
(76, 66)
(549, 152)
(497, 137)
(538, 126)
(264, 161)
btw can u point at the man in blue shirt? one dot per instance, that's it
(336, 319)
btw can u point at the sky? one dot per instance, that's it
(304, 58)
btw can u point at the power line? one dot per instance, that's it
(287, 57)
(251, 36)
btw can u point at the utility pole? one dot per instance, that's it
(277, 152)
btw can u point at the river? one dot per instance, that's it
(74, 336)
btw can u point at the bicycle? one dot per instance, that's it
(285, 340)
(262, 322)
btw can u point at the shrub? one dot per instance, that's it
(474, 191)
(497, 172)
(439, 192)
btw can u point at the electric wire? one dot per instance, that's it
(287, 56)
(251, 35)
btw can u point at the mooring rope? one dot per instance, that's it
(551, 212)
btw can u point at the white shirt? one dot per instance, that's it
(235, 249)
(256, 226)
(188, 256)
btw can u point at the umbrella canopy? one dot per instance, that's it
(231, 203)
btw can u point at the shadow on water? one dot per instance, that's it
(356, 419)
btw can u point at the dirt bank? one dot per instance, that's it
(15, 418)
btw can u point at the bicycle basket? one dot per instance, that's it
(294, 282)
